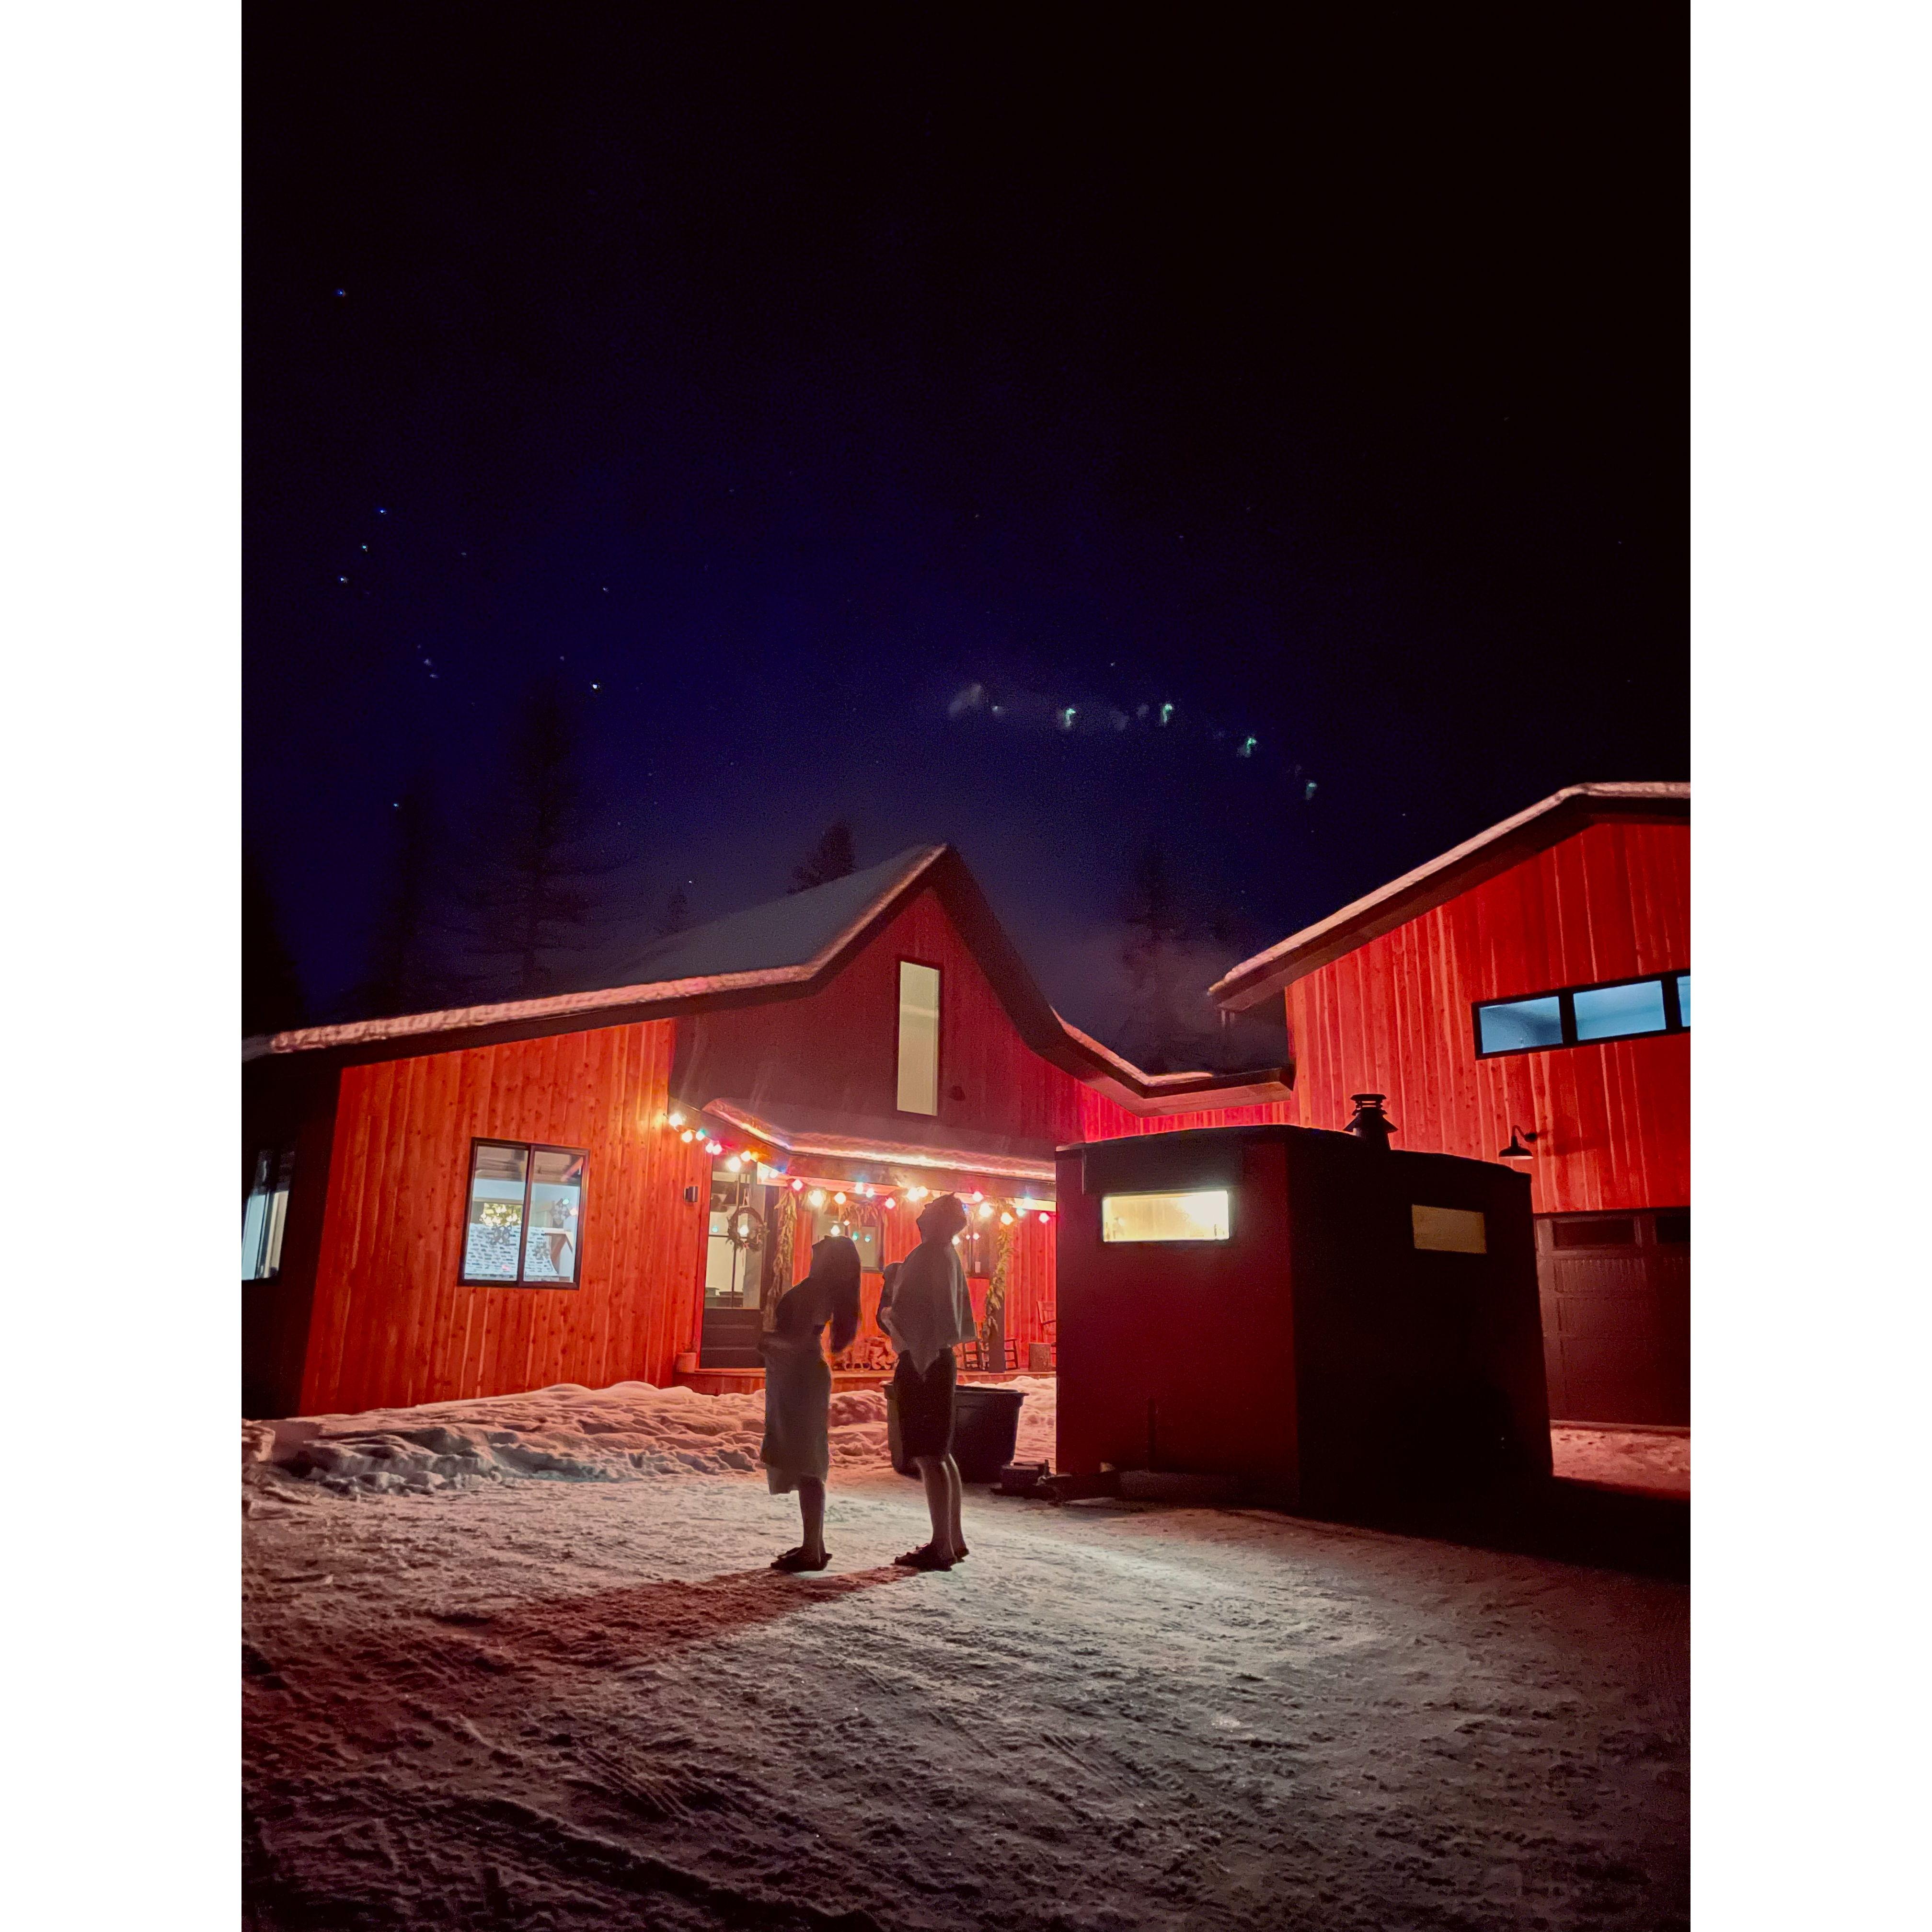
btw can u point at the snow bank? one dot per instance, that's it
(569, 1433)
(1631, 1458)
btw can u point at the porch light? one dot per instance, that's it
(1516, 1150)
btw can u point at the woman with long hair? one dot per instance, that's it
(798, 1388)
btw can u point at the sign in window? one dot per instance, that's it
(1450, 1231)
(1165, 1217)
(525, 1205)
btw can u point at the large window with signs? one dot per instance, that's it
(265, 1214)
(525, 1212)
(1578, 1015)
(919, 1038)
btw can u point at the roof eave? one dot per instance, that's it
(1489, 853)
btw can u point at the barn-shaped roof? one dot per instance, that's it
(1547, 822)
(780, 949)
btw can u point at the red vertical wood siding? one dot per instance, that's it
(1395, 1017)
(393, 1325)
(837, 1049)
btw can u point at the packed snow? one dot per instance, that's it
(520, 1662)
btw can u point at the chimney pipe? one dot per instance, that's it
(1369, 1124)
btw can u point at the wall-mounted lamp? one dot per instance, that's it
(1516, 1150)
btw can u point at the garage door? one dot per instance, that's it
(1616, 1315)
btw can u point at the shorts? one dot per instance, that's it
(925, 1403)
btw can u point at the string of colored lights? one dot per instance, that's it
(817, 1190)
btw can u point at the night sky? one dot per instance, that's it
(794, 385)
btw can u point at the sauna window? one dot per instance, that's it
(1616, 1012)
(1165, 1217)
(1510, 1026)
(526, 1208)
(264, 1214)
(919, 1038)
(1450, 1231)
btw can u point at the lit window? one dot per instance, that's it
(1450, 1231)
(1612, 1012)
(264, 1215)
(1510, 1025)
(526, 1203)
(1583, 1016)
(1165, 1217)
(919, 1038)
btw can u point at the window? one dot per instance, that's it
(1165, 1217)
(919, 1038)
(1512, 1025)
(1595, 1230)
(525, 1205)
(264, 1215)
(1450, 1231)
(975, 1246)
(864, 1235)
(1618, 1010)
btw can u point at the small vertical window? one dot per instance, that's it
(1684, 1000)
(264, 1214)
(526, 1203)
(919, 1038)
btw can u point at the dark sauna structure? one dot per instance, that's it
(1337, 1326)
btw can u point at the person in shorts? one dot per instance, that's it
(929, 1312)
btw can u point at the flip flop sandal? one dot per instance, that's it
(793, 1561)
(922, 1558)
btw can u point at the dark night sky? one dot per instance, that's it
(780, 373)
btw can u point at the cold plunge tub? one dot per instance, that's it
(985, 1429)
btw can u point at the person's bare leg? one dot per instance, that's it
(811, 1516)
(953, 1489)
(939, 1505)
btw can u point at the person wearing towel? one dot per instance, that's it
(930, 1310)
(798, 1389)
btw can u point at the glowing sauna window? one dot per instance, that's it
(919, 1038)
(1165, 1217)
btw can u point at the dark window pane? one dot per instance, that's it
(1596, 1231)
(1509, 1025)
(495, 1226)
(1675, 1228)
(1605, 1012)
(557, 1197)
(1684, 997)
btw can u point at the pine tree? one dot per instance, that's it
(403, 975)
(831, 858)
(534, 897)
(271, 991)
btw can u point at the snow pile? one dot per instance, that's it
(1638, 1459)
(570, 1433)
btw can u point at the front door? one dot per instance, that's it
(734, 1257)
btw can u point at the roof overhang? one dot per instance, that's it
(879, 1150)
(1546, 823)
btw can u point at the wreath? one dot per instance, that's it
(745, 1228)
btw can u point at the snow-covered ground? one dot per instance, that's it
(520, 1662)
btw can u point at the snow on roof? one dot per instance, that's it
(794, 930)
(778, 944)
(1542, 825)
(790, 942)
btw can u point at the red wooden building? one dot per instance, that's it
(587, 1187)
(1527, 997)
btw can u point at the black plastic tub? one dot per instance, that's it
(986, 1428)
